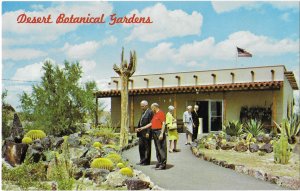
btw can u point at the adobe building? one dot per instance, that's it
(264, 93)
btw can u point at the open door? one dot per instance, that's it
(203, 113)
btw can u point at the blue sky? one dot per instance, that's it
(184, 36)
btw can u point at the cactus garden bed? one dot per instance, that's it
(235, 153)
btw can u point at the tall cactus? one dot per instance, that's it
(282, 150)
(125, 71)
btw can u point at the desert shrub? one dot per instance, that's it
(233, 128)
(290, 127)
(103, 163)
(254, 127)
(97, 145)
(27, 140)
(104, 131)
(35, 134)
(26, 175)
(126, 171)
(282, 150)
(120, 165)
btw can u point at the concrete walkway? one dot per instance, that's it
(186, 172)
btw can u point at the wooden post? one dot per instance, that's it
(224, 105)
(132, 114)
(274, 111)
(96, 112)
(175, 105)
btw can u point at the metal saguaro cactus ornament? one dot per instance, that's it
(125, 71)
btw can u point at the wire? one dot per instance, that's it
(18, 80)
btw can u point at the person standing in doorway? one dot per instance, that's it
(159, 136)
(195, 117)
(172, 129)
(188, 124)
(144, 134)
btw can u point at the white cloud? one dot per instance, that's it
(166, 24)
(225, 6)
(22, 54)
(193, 54)
(32, 72)
(86, 49)
(42, 33)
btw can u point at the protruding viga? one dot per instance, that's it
(125, 71)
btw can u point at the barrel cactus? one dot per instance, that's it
(120, 165)
(97, 145)
(103, 163)
(126, 171)
(35, 134)
(27, 140)
(282, 150)
(115, 157)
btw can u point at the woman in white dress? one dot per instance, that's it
(188, 123)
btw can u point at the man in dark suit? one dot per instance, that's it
(195, 117)
(144, 134)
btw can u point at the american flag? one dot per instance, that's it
(243, 53)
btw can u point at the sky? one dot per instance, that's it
(184, 36)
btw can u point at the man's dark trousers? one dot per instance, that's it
(160, 147)
(145, 149)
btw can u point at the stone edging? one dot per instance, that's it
(285, 181)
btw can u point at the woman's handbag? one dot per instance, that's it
(173, 126)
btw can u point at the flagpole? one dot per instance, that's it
(236, 55)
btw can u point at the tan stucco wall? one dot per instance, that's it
(234, 101)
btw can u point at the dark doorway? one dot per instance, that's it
(203, 113)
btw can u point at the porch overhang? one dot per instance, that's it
(270, 85)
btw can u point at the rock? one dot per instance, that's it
(17, 131)
(81, 162)
(253, 148)
(241, 147)
(228, 137)
(267, 139)
(92, 153)
(74, 140)
(47, 142)
(115, 179)
(97, 175)
(141, 176)
(260, 138)
(212, 144)
(227, 146)
(58, 142)
(78, 152)
(259, 175)
(135, 184)
(35, 151)
(289, 182)
(15, 153)
(230, 166)
(239, 168)
(78, 172)
(268, 148)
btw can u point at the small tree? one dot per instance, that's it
(7, 116)
(125, 71)
(59, 101)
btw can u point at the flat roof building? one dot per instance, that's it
(264, 93)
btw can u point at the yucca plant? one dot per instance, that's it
(290, 127)
(254, 127)
(233, 128)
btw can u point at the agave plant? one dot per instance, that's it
(233, 128)
(254, 127)
(290, 128)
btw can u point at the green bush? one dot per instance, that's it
(104, 131)
(35, 134)
(126, 171)
(290, 128)
(97, 145)
(254, 127)
(282, 150)
(233, 128)
(26, 175)
(103, 163)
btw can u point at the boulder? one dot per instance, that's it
(47, 142)
(81, 162)
(17, 131)
(15, 153)
(260, 138)
(267, 139)
(92, 153)
(74, 140)
(115, 179)
(253, 148)
(78, 152)
(135, 184)
(79, 172)
(268, 148)
(241, 147)
(58, 141)
(227, 146)
(212, 144)
(35, 151)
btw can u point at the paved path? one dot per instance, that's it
(185, 171)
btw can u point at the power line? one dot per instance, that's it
(18, 80)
